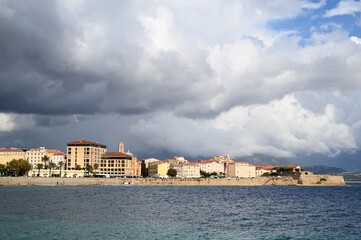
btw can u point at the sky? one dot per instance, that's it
(193, 78)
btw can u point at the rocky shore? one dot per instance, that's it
(314, 180)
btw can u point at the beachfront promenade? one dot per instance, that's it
(315, 180)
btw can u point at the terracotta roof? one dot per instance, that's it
(292, 166)
(242, 163)
(38, 149)
(265, 167)
(190, 163)
(157, 163)
(55, 152)
(11, 150)
(209, 161)
(116, 154)
(84, 142)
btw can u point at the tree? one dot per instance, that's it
(77, 167)
(61, 164)
(51, 166)
(205, 174)
(45, 159)
(172, 172)
(144, 169)
(18, 167)
(39, 166)
(2, 169)
(90, 169)
(96, 167)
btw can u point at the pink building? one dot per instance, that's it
(241, 170)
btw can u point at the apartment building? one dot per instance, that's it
(8, 154)
(158, 169)
(84, 153)
(56, 156)
(119, 164)
(241, 170)
(35, 155)
(188, 170)
(211, 166)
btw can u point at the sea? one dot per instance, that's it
(180, 212)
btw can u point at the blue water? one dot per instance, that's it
(132, 212)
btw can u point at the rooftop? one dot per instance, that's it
(84, 142)
(11, 150)
(116, 154)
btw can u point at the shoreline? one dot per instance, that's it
(316, 180)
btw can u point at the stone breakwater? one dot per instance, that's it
(314, 180)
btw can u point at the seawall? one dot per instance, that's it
(321, 180)
(314, 180)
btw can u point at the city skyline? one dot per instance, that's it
(186, 78)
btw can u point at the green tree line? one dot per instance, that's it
(15, 168)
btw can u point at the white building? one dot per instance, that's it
(211, 166)
(56, 156)
(188, 170)
(35, 155)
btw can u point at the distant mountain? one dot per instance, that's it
(260, 159)
(322, 169)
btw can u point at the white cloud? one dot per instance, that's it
(281, 128)
(355, 40)
(6, 122)
(344, 7)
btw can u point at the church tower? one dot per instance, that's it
(121, 147)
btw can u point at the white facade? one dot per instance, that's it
(34, 156)
(188, 170)
(57, 157)
(211, 166)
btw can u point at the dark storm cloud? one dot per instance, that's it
(36, 76)
(46, 70)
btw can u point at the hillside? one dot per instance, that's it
(322, 169)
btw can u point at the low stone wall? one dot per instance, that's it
(261, 181)
(36, 181)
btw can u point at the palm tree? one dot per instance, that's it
(39, 166)
(90, 169)
(61, 164)
(96, 166)
(51, 165)
(45, 159)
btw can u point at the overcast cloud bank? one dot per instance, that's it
(188, 77)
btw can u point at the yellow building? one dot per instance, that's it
(84, 153)
(158, 169)
(117, 164)
(8, 154)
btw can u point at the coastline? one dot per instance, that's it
(315, 180)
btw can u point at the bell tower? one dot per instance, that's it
(121, 147)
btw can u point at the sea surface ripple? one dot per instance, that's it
(135, 212)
